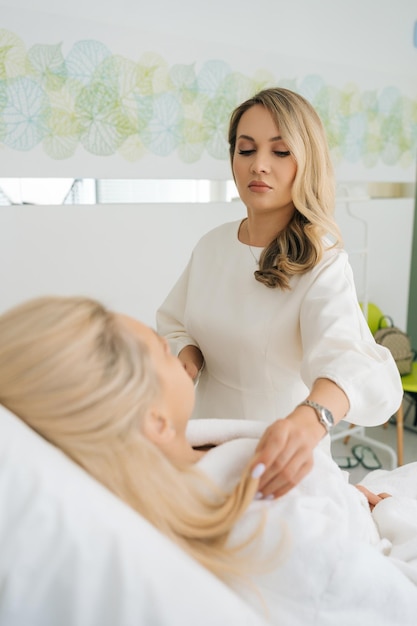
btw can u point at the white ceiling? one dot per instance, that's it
(376, 33)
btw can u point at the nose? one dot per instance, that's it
(260, 164)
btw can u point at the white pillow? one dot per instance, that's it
(72, 554)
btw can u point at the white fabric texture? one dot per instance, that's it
(72, 554)
(264, 348)
(340, 564)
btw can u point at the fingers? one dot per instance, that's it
(191, 369)
(273, 455)
(384, 495)
(192, 360)
(379, 497)
(373, 498)
(284, 463)
(287, 478)
(273, 442)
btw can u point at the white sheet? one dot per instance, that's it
(341, 564)
(74, 555)
(71, 554)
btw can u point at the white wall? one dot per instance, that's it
(359, 34)
(130, 255)
(379, 246)
(103, 250)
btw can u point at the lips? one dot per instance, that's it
(258, 185)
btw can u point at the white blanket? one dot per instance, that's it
(339, 563)
(72, 554)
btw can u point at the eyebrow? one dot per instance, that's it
(279, 138)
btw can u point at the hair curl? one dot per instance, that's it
(300, 246)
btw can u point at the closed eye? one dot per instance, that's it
(279, 153)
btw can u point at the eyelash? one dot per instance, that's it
(278, 153)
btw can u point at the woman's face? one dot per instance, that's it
(177, 398)
(263, 167)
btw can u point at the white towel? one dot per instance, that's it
(217, 431)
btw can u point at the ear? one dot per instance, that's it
(158, 428)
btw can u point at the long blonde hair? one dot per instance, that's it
(299, 247)
(78, 377)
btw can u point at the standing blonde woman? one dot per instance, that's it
(266, 313)
(107, 391)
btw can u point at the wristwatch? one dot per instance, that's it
(325, 416)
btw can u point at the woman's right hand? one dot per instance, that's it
(192, 360)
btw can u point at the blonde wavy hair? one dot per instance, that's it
(299, 247)
(75, 374)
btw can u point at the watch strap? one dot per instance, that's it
(324, 415)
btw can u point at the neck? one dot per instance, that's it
(256, 234)
(260, 229)
(181, 453)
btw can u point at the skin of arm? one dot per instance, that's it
(192, 360)
(286, 448)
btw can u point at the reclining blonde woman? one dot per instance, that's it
(106, 390)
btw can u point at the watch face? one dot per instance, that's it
(324, 415)
(328, 417)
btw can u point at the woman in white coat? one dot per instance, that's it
(266, 314)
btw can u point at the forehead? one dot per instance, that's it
(138, 329)
(257, 118)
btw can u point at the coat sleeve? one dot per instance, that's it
(170, 315)
(338, 345)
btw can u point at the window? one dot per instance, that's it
(106, 191)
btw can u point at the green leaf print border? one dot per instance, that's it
(109, 104)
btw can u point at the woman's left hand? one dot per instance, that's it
(373, 498)
(286, 451)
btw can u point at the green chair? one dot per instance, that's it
(374, 315)
(409, 383)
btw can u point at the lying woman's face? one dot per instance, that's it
(177, 387)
